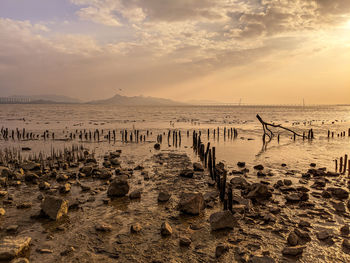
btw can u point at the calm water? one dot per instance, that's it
(63, 118)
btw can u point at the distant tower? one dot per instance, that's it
(303, 102)
(240, 101)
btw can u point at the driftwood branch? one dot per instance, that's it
(269, 133)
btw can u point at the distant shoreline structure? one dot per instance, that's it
(156, 102)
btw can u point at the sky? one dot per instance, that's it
(256, 51)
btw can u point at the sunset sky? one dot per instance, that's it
(260, 51)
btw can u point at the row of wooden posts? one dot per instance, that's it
(217, 172)
(341, 134)
(344, 164)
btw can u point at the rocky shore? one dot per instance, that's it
(164, 207)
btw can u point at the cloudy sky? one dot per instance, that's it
(260, 51)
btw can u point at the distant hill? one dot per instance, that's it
(47, 99)
(137, 100)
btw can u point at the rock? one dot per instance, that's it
(221, 220)
(54, 207)
(339, 206)
(259, 167)
(302, 235)
(31, 177)
(239, 183)
(326, 194)
(293, 251)
(220, 250)
(157, 146)
(163, 196)
(2, 211)
(186, 173)
(304, 223)
(191, 203)
(338, 193)
(241, 164)
(324, 234)
(297, 197)
(185, 241)
(44, 251)
(287, 182)
(62, 177)
(259, 191)
(119, 187)
(313, 165)
(292, 239)
(136, 194)
(65, 188)
(24, 205)
(345, 230)
(103, 227)
(44, 185)
(3, 193)
(135, 228)
(198, 167)
(11, 247)
(87, 170)
(346, 243)
(31, 166)
(115, 162)
(166, 229)
(12, 228)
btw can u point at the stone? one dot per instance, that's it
(31, 177)
(2, 211)
(259, 191)
(157, 146)
(103, 227)
(239, 183)
(346, 243)
(324, 234)
(191, 203)
(3, 193)
(345, 230)
(259, 167)
(135, 228)
(198, 167)
(166, 229)
(293, 251)
(338, 193)
(24, 205)
(136, 194)
(12, 247)
(287, 182)
(302, 235)
(220, 250)
(292, 239)
(62, 177)
(241, 164)
(87, 170)
(65, 188)
(163, 196)
(54, 207)
(221, 220)
(44, 185)
(185, 242)
(187, 173)
(119, 187)
(31, 166)
(339, 206)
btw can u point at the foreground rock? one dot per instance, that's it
(221, 220)
(11, 248)
(119, 187)
(191, 203)
(54, 207)
(293, 251)
(164, 196)
(166, 229)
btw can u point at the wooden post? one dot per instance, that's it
(229, 197)
(336, 165)
(341, 165)
(345, 163)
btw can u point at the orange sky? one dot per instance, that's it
(263, 52)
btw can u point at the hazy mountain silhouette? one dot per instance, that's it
(48, 98)
(136, 100)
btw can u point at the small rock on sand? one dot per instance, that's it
(54, 207)
(191, 203)
(221, 220)
(119, 187)
(166, 229)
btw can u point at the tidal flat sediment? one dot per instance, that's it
(151, 203)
